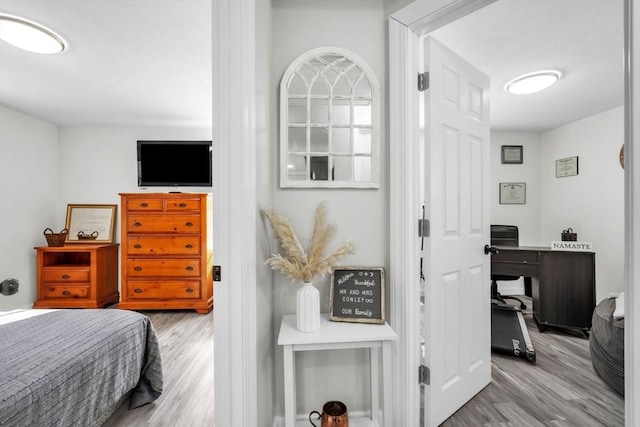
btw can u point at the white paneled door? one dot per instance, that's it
(456, 317)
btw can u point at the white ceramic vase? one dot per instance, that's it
(308, 308)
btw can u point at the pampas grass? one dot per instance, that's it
(295, 262)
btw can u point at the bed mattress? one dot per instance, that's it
(72, 367)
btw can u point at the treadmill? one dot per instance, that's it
(509, 333)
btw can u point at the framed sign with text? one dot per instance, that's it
(513, 193)
(567, 167)
(91, 223)
(357, 295)
(511, 154)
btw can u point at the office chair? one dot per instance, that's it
(504, 235)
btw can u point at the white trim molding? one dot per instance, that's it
(235, 210)
(632, 205)
(404, 199)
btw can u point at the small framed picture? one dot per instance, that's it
(567, 167)
(91, 223)
(511, 154)
(513, 193)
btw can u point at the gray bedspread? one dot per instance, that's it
(71, 367)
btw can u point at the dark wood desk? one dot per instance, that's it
(562, 284)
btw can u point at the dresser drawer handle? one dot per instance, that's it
(137, 224)
(182, 205)
(189, 268)
(188, 246)
(137, 290)
(138, 268)
(65, 276)
(137, 246)
(66, 293)
(189, 224)
(189, 290)
(144, 205)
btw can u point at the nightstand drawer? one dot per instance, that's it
(62, 292)
(164, 289)
(65, 275)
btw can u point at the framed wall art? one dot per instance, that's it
(511, 154)
(91, 223)
(513, 193)
(567, 167)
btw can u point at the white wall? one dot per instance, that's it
(359, 26)
(266, 329)
(592, 202)
(526, 216)
(28, 190)
(96, 163)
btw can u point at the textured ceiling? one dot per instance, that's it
(148, 62)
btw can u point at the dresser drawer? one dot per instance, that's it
(163, 245)
(165, 289)
(61, 292)
(163, 267)
(65, 275)
(180, 205)
(163, 224)
(141, 205)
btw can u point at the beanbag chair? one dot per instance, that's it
(606, 344)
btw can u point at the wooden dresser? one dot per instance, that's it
(167, 251)
(77, 276)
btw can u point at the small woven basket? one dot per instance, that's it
(55, 239)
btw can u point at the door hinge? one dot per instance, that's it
(424, 375)
(423, 81)
(424, 228)
(217, 273)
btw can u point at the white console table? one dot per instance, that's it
(339, 335)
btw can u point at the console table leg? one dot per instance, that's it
(289, 387)
(386, 383)
(374, 365)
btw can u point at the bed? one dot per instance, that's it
(75, 367)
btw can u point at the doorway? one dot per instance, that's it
(410, 24)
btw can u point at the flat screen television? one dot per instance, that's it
(174, 163)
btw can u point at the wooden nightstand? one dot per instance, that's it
(77, 276)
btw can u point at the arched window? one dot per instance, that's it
(329, 121)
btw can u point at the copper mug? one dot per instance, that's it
(334, 414)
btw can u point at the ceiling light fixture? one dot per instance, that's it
(533, 82)
(29, 36)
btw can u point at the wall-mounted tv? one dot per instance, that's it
(174, 163)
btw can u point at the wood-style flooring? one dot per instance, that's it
(560, 389)
(186, 347)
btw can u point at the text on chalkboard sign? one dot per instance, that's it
(357, 295)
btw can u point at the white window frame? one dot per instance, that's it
(297, 64)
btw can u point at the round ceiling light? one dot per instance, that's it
(29, 36)
(533, 82)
